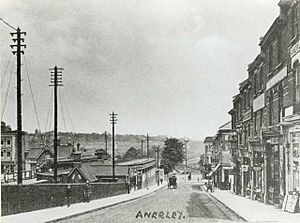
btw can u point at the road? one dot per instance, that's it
(187, 203)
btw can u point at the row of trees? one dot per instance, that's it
(171, 155)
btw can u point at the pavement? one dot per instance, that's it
(57, 214)
(253, 211)
(187, 203)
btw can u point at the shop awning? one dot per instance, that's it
(214, 169)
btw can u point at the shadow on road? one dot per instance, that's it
(200, 205)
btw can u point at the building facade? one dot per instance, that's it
(266, 114)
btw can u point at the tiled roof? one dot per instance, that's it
(34, 153)
(92, 170)
(136, 162)
(63, 151)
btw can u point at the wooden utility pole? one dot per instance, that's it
(19, 51)
(105, 139)
(147, 146)
(56, 80)
(157, 156)
(113, 120)
(142, 147)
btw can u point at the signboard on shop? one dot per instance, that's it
(245, 168)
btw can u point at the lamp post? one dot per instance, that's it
(186, 140)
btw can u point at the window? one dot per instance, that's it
(255, 81)
(261, 83)
(261, 117)
(294, 23)
(8, 142)
(271, 108)
(280, 101)
(8, 154)
(270, 58)
(1, 153)
(279, 53)
(1, 141)
(255, 122)
(249, 131)
(297, 84)
(275, 52)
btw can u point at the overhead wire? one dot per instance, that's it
(68, 113)
(5, 71)
(32, 96)
(62, 111)
(6, 23)
(7, 90)
(49, 110)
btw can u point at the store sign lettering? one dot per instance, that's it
(295, 49)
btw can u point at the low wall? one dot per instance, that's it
(17, 199)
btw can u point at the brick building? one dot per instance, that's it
(266, 114)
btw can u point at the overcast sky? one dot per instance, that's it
(168, 67)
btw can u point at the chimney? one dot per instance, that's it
(77, 157)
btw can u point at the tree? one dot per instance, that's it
(131, 153)
(172, 155)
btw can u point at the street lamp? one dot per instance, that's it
(186, 140)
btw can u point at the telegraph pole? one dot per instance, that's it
(105, 139)
(157, 156)
(19, 51)
(147, 146)
(142, 147)
(56, 80)
(113, 120)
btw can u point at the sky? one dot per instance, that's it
(166, 67)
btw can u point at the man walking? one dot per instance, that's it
(68, 194)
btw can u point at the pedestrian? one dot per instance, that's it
(87, 192)
(68, 194)
(128, 186)
(209, 186)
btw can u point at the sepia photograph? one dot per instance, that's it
(150, 111)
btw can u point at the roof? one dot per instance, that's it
(93, 170)
(63, 151)
(272, 29)
(34, 153)
(226, 126)
(137, 162)
(59, 172)
(208, 139)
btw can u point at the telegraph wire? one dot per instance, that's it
(5, 71)
(33, 100)
(7, 90)
(62, 111)
(68, 113)
(8, 24)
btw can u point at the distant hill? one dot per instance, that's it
(93, 141)
(195, 149)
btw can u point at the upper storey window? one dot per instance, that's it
(294, 25)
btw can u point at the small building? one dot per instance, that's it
(9, 155)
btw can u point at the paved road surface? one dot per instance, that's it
(187, 203)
